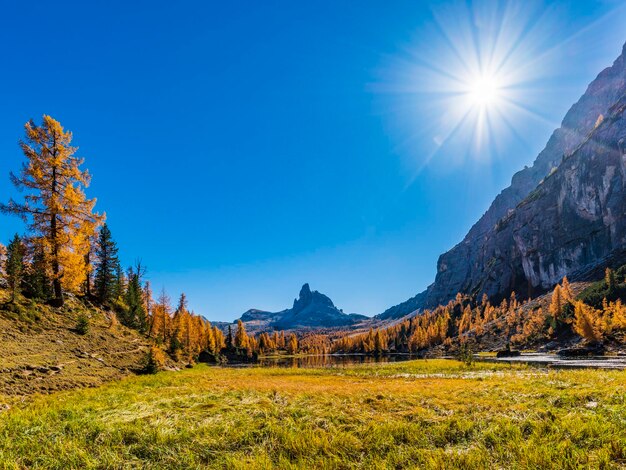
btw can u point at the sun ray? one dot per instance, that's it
(473, 79)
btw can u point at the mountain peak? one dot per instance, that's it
(310, 310)
(305, 291)
(308, 297)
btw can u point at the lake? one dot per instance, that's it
(346, 360)
(555, 361)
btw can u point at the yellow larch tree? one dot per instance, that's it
(220, 341)
(618, 315)
(160, 326)
(465, 322)
(60, 214)
(585, 322)
(292, 346)
(241, 337)
(566, 290)
(556, 305)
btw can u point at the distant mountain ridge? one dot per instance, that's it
(311, 310)
(562, 216)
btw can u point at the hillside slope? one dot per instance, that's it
(42, 353)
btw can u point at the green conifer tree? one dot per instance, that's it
(229, 338)
(119, 285)
(37, 283)
(106, 266)
(135, 315)
(15, 266)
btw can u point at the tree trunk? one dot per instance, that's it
(57, 300)
(87, 277)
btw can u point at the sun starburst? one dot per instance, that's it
(473, 76)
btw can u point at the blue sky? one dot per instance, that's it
(241, 149)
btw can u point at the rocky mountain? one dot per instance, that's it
(253, 315)
(562, 216)
(404, 308)
(311, 310)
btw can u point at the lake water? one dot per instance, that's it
(555, 361)
(330, 360)
(346, 360)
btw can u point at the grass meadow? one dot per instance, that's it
(421, 414)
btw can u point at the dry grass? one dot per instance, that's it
(41, 352)
(420, 414)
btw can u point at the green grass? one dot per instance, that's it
(420, 414)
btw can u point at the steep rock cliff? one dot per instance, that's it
(476, 265)
(559, 217)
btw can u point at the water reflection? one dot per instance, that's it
(555, 361)
(330, 360)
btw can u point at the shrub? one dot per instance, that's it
(154, 361)
(465, 354)
(82, 324)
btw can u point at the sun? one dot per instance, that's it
(472, 80)
(484, 92)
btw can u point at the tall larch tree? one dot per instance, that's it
(585, 322)
(180, 327)
(556, 305)
(292, 346)
(241, 337)
(55, 204)
(160, 321)
(610, 279)
(220, 342)
(566, 290)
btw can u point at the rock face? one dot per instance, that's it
(256, 315)
(572, 223)
(311, 310)
(562, 216)
(406, 307)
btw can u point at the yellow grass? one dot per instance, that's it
(419, 414)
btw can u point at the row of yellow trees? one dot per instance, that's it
(262, 343)
(69, 249)
(185, 335)
(463, 319)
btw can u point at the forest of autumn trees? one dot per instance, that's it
(70, 250)
(464, 319)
